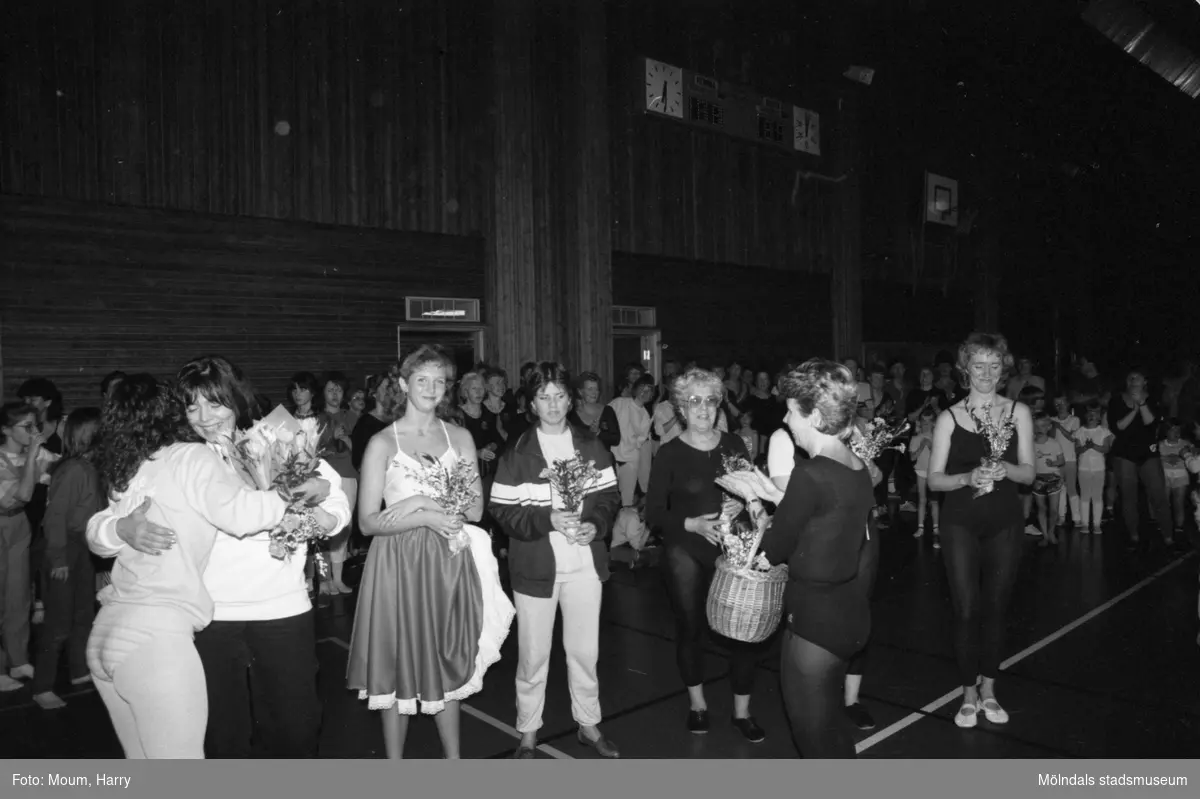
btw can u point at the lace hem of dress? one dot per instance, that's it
(488, 656)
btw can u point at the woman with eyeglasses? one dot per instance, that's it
(685, 503)
(981, 536)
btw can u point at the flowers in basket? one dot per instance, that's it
(280, 452)
(570, 479)
(878, 436)
(996, 437)
(452, 487)
(739, 546)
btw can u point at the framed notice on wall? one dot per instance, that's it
(941, 200)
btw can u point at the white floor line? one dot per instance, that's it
(479, 714)
(913, 718)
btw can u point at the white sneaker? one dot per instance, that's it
(49, 701)
(9, 684)
(967, 716)
(992, 710)
(1033, 531)
(21, 672)
(908, 507)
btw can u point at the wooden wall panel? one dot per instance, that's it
(342, 112)
(89, 289)
(683, 193)
(714, 313)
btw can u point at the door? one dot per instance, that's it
(636, 345)
(464, 345)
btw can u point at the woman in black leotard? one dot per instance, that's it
(981, 537)
(821, 531)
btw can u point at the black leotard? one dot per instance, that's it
(998, 509)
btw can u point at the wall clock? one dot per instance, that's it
(664, 89)
(806, 131)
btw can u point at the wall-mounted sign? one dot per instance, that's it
(806, 130)
(941, 200)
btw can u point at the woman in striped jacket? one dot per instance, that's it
(556, 558)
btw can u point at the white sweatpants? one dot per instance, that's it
(627, 481)
(1091, 497)
(580, 603)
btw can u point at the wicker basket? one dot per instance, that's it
(746, 605)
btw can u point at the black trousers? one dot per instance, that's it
(70, 609)
(262, 688)
(813, 680)
(687, 582)
(982, 567)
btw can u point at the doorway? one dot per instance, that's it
(464, 345)
(636, 345)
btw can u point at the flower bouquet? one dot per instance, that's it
(452, 487)
(996, 437)
(878, 436)
(280, 452)
(570, 479)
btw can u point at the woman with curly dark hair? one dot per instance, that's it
(141, 652)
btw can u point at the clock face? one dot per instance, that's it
(806, 131)
(664, 89)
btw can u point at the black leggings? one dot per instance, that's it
(813, 678)
(982, 570)
(687, 582)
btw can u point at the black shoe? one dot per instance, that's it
(749, 727)
(859, 717)
(697, 722)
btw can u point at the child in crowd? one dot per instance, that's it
(1173, 452)
(1048, 484)
(1092, 442)
(919, 449)
(1064, 423)
(1035, 398)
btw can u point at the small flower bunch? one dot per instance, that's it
(996, 437)
(452, 487)
(570, 479)
(282, 453)
(878, 436)
(739, 546)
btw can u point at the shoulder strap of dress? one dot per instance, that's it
(449, 442)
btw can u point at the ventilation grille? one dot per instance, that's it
(441, 309)
(633, 316)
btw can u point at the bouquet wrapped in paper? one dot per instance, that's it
(878, 436)
(452, 487)
(280, 452)
(996, 438)
(742, 535)
(570, 479)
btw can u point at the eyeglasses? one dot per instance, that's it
(697, 402)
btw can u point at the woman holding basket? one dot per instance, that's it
(685, 503)
(820, 530)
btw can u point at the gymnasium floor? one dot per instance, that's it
(1102, 657)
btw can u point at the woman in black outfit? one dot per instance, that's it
(981, 536)
(1133, 418)
(821, 531)
(684, 502)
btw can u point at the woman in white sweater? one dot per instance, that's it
(260, 649)
(141, 652)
